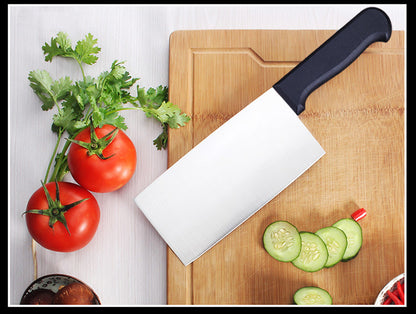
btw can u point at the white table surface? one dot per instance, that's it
(125, 263)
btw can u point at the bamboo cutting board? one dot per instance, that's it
(357, 117)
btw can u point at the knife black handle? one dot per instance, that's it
(333, 56)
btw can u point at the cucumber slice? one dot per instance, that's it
(352, 230)
(313, 254)
(336, 244)
(312, 296)
(282, 241)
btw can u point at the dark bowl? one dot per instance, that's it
(53, 282)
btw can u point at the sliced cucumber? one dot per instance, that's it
(313, 254)
(312, 296)
(352, 230)
(336, 244)
(282, 241)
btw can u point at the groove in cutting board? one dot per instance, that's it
(247, 51)
(358, 118)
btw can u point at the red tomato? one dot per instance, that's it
(102, 175)
(82, 219)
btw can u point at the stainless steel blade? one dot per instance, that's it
(229, 176)
(256, 154)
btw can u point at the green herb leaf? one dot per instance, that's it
(168, 113)
(114, 119)
(48, 90)
(84, 52)
(153, 97)
(61, 87)
(154, 102)
(170, 116)
(162, 140)
(68, 119)
(86, 49)
(41, 83)
(63, 41)
(60, 46)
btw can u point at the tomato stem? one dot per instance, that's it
(55, 210)
(97, 145)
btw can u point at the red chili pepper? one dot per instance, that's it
(359, 214)
(387, 301)
(400, 290)
(395, 299)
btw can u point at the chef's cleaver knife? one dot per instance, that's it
(256, 154)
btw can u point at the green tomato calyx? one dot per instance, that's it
(55, 210)
(97, 145)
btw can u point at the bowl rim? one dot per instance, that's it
(39, 279)
(382, 296)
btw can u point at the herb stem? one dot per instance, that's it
(61, 164)
(120, 109)
(53, 154)
(82, 70)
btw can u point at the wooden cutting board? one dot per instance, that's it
(357, 117)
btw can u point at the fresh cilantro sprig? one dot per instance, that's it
(95, 100)
(84, 51)
(154, 103)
